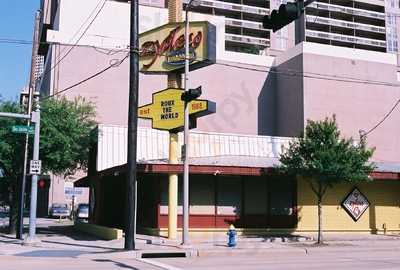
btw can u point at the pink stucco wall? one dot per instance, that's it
(235, 90)
(251, 101)
(358, 106)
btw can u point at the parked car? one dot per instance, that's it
(60, 210)
(82, 212)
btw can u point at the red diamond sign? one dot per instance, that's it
(355, 204)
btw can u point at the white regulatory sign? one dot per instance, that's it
(35, 167)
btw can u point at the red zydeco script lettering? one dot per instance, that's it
(154, 49)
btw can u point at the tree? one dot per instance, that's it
(66, 135)
(11, 160)
(322, 158)
(65, 138)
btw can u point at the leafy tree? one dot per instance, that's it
(11, 160)
(65, 138)
(65, 135)
(323, 158)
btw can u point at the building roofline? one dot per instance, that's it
(336, 51)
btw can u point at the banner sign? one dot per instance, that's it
(167, 109)
(162, 50)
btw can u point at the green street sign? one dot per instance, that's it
(23, 129)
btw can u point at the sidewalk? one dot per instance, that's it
(60, 240)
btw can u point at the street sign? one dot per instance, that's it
(71, 192)
(35, 167)
(167, 109)
(23, 129)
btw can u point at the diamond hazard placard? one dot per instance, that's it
(355, 204)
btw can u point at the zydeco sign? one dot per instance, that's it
(162, 49)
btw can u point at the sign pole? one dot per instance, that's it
(173, 188)
(185, 231)
(174, 80)
(32, 216)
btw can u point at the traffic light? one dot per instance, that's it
(192, 94)
(43, 183)
(286, 14)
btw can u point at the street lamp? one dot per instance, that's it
(185, 223)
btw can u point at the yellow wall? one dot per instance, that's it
(384, 197)
(100, 231)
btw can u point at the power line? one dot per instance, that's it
(112, 65)
(296, 73)
(83, 33)
(365, 133)
(288, 72)
(291, 72)
(96, 48)
(15, 41)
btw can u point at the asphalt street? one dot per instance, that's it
(371, 260)
(326, 261)
(46, 263)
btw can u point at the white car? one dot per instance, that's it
(60, 210)
(83, 211)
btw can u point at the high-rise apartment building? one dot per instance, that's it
(362, 24)
(39, 67)
(354, 24)
(392, 25)
(243, 22)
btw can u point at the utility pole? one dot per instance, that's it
(31, 87)
(130, 226)
(32, 215)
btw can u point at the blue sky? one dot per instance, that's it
(16, 22)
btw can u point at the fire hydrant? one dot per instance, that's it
(231, 236)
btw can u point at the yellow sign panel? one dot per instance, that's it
(162, 49)
(167, 109)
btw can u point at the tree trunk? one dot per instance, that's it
(320, 238)
(13, 210)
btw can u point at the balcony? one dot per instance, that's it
(262, 42)
(345, 24)
(245, 24)
(231, 7)
(346, 39)
(348, 10)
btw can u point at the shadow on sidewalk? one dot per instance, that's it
(81, 245)
(65, 230)
(122, 265)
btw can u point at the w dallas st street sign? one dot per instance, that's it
(167, 109)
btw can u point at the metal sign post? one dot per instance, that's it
(35, 169)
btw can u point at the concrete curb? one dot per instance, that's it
(357, 249)
(251, 252)
(137, 254)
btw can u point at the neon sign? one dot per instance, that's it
(172, 47)
(162, 50)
